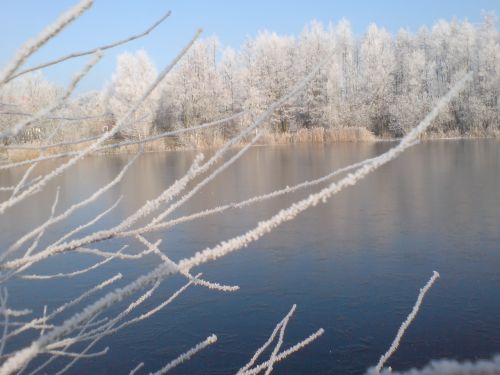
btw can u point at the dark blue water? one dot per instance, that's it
(354, 265)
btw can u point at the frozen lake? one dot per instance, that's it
(353, 266)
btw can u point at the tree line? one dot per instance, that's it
(385, 83)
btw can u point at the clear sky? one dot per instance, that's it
(231, 21)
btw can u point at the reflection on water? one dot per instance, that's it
(353, 266)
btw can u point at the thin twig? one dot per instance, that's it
(89, 52)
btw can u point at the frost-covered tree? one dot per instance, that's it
(409, 96)
(380, 81)
(377, 73)
(343, 79)
(93, 108)
(134, 73)
(232, 98)
(24, 96)
(268, 74)
(313, 46)
(486, 104)
(194, 91)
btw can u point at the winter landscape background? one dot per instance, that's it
(336, 190)
(380, 82)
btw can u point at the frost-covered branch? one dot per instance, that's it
(90, 52)
(89, 223)
(59, 102)
(291, 212)
(109, 329)
(271, 338)
(136, 368)
(115, 145)
(205, 181)
(187, 355)
(22, 181)
(247, 202)
(3, 306)
(284, 354)
(75, 273)
(173, 190)
(120, 123)
(108, 146)
(409, 319)
(196, 279)
(25, 355)
(98, 193)
(37, 321)
(32, 45)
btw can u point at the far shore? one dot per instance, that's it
(200, 141)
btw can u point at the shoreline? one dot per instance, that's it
(193, 143)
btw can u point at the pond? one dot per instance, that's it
(353, 266)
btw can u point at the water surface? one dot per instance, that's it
(353, 266)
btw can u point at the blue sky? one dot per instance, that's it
(231, 21)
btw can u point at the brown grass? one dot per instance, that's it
(14, 155)
(454, 134)
(321, 135)
(208, 140)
